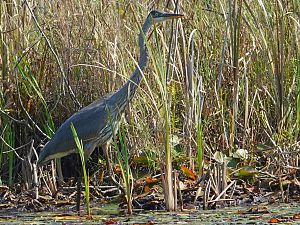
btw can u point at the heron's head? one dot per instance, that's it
(158, 16)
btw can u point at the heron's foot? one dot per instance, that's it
(78, 196)
(109, 167)
(113, 179)
(116, 182)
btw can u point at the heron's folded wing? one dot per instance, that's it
(88, 123)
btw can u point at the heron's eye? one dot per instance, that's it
(155, 14)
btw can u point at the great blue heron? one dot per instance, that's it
(96, 122)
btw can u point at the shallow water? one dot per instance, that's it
(231, 215)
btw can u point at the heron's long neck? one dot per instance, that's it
(127, 91)
(137, 74)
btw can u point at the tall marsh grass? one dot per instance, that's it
(245, 55)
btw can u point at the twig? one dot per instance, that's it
(179, 192)
(45, 182)
(206, 193)
(35, 181)
(12, 149)
(224, 191)
(109, 190)
(221, 200)
(15, 120)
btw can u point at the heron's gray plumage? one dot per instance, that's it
(96, 122)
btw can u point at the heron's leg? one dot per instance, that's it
(109, 166)
(79, 184)
(87, 154)
(105, 149)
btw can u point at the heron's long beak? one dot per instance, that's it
(167, 16)
(173, 16)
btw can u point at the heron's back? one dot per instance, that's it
(92, 125)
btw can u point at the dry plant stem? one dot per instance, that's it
(225, 44)
(168, 166)
(171, 45)
(113, 189)
(179, 192)
(4, 48)
(44, 181)
(218, 178)
(194, 105)
(199, 126)
(221, 200)
(56, 57)
(279, 67)
(190, 101)
(33, 170)
(129, 206)
(109, 165)
(163, 181)
(168, 190)
(35, 181)
(59, 172)
(50, 184)
(27, 172)
(169, 182)
(236, 18)
(198, 192)
(53, 173)
(201, 183)
(224, 180)
(175, 189)
(281, 189)
(98, 188)
(206, 194)
(218, 87)
(232, 192)
(215, 182)
(246, 121)
(224, 191)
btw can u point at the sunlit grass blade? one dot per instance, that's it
(123, 159)
(85, 174)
